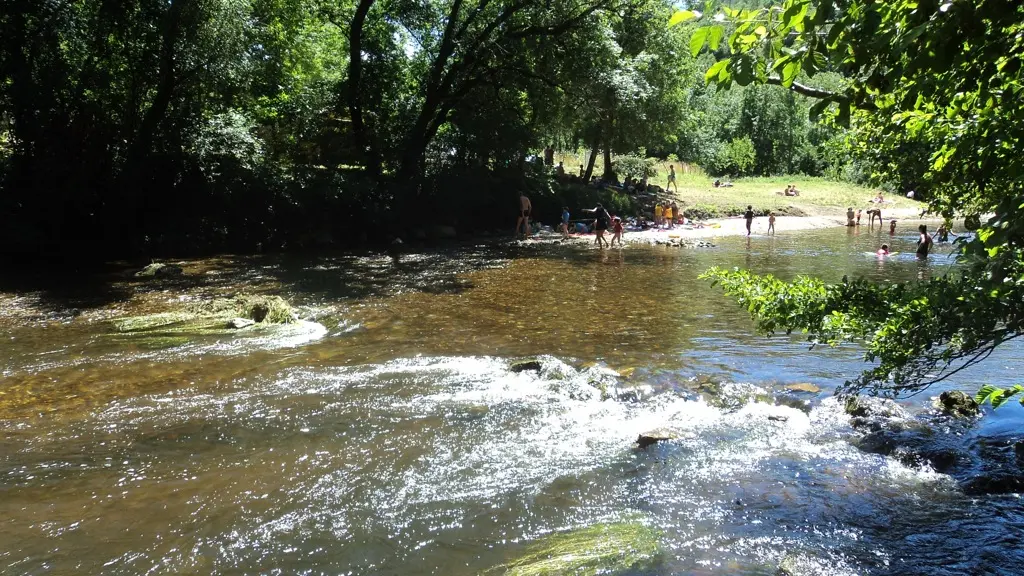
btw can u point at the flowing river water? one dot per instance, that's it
(388, 435)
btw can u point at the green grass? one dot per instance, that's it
(818, 196)
(600, 549)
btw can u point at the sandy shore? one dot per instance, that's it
(719, 227)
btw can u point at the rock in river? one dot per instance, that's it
(159, 270)
(239, 323)
(653, 437)
(956, 403)
(525, 366)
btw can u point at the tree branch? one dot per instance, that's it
(809, 91)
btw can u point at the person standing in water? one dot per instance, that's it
(943, 233)
(749, 217)
(771, 223)
(892, 228)
(672, 178)
(617, 231)
(924, 241)
(525, 207)
(603, 221)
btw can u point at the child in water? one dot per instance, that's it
(749, 217)
(771, 223)
(884, 250)
(617, 230)
(892, 228)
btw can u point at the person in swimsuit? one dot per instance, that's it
(924, 242)
(658, 213)
(892, 228)
(850, 215)
(603, 220)
(749, 217)
(525, 207)
(859, 211)
(675, 214)
(565, 222)
(672, 178)
(884, 250)
(771, 223)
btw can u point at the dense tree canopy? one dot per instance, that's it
(938, 83)
(147, 127)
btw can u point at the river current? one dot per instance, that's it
(387, 434)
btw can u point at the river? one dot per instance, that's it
(388, 435)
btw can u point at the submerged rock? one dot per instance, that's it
(609, 548)
(957, 404)
(804, 387)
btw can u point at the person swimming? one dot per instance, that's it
(884, 250)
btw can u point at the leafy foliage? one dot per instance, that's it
(936, 80)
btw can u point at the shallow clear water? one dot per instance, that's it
(387, 435)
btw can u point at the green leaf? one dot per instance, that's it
(715, 36)
(789, 72)
(698, 39)
(682, 16)
(795, 14)
(844, 114)
(716, 70)
(984, 393)
(818, 108)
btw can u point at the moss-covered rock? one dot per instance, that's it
(957, 404)
(609, 548)
(211, 318)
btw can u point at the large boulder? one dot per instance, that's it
(957, 404)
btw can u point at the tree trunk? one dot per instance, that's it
(355, 108)
(593, 159)
(609, 172)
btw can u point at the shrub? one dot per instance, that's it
(635, 167)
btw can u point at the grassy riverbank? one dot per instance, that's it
(818, 196)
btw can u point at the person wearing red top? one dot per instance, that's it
(616, 230)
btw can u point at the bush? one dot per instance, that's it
(635, 167)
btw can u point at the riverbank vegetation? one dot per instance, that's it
(940, 86)
(167, 128)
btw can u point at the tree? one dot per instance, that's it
(947, 74)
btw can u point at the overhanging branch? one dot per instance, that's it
(809, 91)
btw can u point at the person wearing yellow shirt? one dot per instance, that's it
(658, 212)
